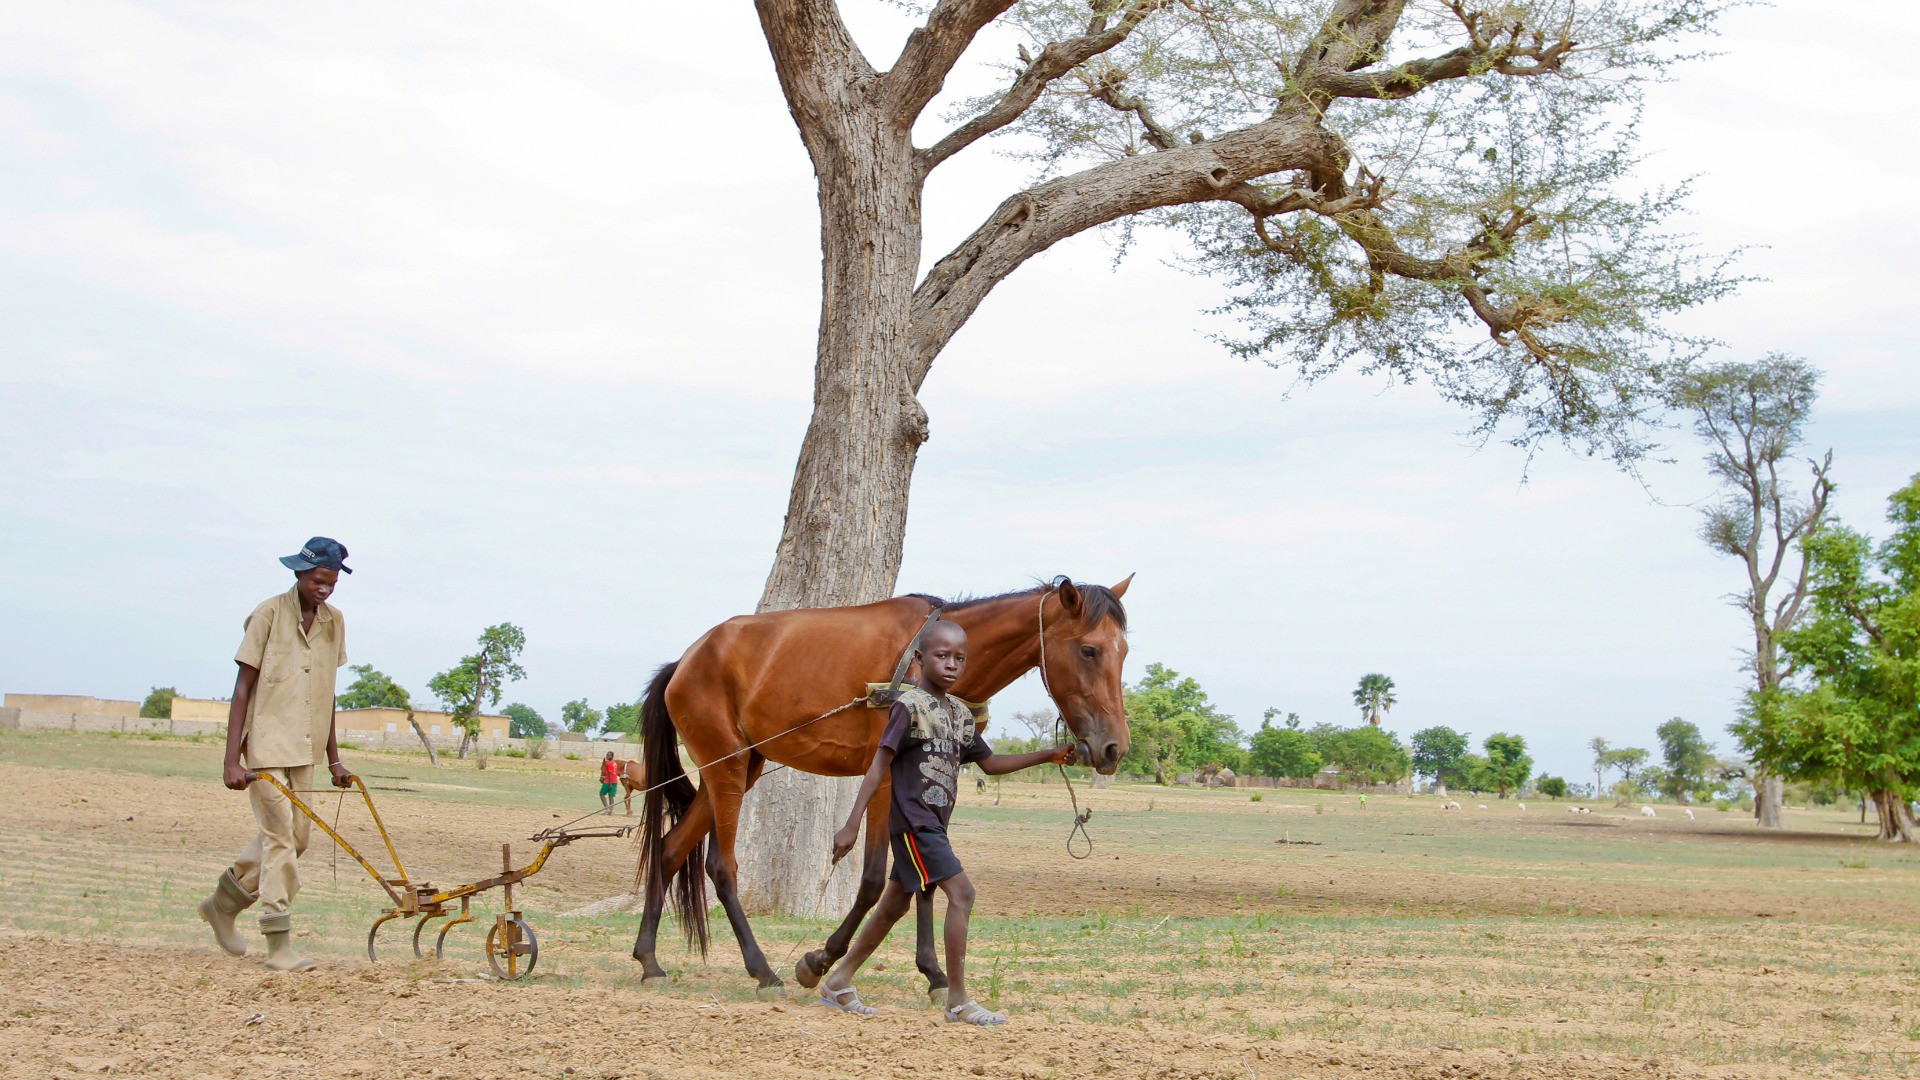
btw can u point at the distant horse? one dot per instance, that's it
(633, 780)
(755, 676)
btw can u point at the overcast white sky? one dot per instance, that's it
(519, 304)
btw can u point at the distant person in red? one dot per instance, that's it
(609, 781)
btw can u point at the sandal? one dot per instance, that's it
(846, 1001)
(971, 1012)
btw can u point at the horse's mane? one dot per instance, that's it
(1097, 602)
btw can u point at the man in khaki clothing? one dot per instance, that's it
(281, 722)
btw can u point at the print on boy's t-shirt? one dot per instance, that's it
(930, 740)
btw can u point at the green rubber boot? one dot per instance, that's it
(280, 954)
(221, 908)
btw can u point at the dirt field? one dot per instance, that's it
(1209, 936)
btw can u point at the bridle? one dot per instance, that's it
(1079, 816)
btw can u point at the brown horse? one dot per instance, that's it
(752, 678)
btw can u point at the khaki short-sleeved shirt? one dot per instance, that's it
(292, 708)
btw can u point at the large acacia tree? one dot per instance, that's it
(1428, 188)
(1752, 418)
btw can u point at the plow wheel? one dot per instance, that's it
(512, 950)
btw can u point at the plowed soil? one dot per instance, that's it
(1209, 936)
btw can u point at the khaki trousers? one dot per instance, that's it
(268, 870)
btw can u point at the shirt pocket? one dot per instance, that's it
(276, 665)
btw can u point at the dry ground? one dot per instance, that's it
(1209, 936)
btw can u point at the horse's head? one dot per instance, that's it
(1085, 643)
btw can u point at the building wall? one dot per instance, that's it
(71, 703)
(358, 724)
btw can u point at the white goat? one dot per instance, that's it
(1483, 806)
(1449, 805)
(1522, 806)
(1647, 811)
(1689, 813)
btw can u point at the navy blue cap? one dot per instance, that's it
(319, 551)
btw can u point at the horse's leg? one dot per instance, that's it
(726, 784)
(675, 850)
(809, 969)
(924, 956)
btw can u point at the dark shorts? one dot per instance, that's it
(922, 859)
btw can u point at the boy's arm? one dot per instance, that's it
(237, 776)
(341, 777)
(1001, 764)
(870, 783)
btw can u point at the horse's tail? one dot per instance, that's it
(669, 794)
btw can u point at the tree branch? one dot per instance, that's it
(1036, 219)
(1356, 36)
(814, 56)
(1055, 60)
(932, 50)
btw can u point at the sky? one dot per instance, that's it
(519, 303)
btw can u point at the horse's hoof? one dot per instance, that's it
(773, 991)
(808, 969)
(937, 995)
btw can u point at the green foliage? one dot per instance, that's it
(1469, 772)
(371, 689)
(159, 703)
(1364, 754)
(477, 680)
(1628, 761)
(1282, 751)
(1850, 714)
(578, 716)
(1175, 727)
(1435, 749)
(1688, 758)
(1508, 764)
(523, 722)
(1553, 787)
(1374, 696)
(624, 718)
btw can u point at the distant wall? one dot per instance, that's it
(361, 725)
(38, 720)
(72, 703)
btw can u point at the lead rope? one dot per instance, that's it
(1079, 816)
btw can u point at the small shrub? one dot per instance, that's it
(571, 756)
(1319, 808)
(480, 759)
(537, 749)
(347, 745)
(513, 751)
(1255, 797)
(1723, 805)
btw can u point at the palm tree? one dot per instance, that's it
(1375, 697)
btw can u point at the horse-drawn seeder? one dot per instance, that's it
(511, 947)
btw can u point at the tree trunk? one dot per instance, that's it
(433, 759)
(1896, 817)
(1769, 792)
(847, 513)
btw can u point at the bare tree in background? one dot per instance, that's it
(1434, 189)
(1752, 417)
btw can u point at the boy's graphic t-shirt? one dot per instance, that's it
(930, 740)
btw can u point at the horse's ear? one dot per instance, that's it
(1121, 589)
(1069, 596)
